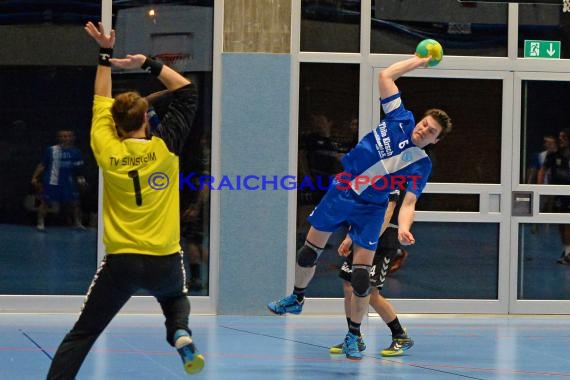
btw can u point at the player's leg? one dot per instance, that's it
(43, 197)
(327, 217)
(347, 290)
(68, 194)
(359, 300)
(385, 253)
(400, 339)
(381, 305)
(365, 222)
(565, 238)
(76, 212)
(562, 205)
(360, 283)
(307, 258)
(345, 274)
(107, 294)
(42, 213)
(168, 284)
(379, 272)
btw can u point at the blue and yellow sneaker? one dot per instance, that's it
(193, 361)
(337, 348)
(350, 347)
(287, 304)
(399, 344)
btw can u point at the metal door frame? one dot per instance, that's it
(517, 306)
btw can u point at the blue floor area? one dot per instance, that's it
(61, 260)
(540, 276)
(446, 347)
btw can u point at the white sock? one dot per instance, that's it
(182, 341)
(567, 250)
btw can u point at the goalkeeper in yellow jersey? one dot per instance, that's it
(140, 208)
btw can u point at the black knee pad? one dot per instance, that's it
(360, 279)
(307, 256)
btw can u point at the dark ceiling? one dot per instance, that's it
(14, 12)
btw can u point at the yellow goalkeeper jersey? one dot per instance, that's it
(140, 190)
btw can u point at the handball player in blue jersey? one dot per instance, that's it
(389, 157)
(58, 178)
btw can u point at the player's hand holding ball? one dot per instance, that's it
(430, 48)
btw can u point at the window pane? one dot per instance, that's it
(475, 107)
(46, 108)
(539, 137)
(471, 271)
(41, 101)
(558, 204)
(472, 29)
(448, 202)
(544, 22)
(330, 26)
(541, 276)
(328, 128)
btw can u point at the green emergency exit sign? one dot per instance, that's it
(541, 49)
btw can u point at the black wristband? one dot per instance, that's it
(152, 66)
(104, 55)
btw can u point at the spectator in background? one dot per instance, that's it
(319, 157)
(58, 178)
(557, 167)
(550, 144)
(195, 223)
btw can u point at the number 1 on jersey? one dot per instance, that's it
(134, 174)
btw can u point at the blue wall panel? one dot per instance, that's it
(254, 141)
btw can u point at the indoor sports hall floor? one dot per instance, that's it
(447, 347)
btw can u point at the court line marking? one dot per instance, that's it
(36, 344)
(369, 356)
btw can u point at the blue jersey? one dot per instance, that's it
(386, 158)
(61, 165)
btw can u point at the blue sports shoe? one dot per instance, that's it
(192, 359)
(350, 347)
(287, 304)
(337, 348)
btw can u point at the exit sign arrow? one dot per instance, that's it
(550, 50)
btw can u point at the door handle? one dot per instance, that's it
(522, 203)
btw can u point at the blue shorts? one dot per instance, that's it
(59, 193)
(342, 207)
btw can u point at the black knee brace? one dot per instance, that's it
(360, 279)
(308, 255)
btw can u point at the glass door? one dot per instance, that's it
(540, 229)
(461, 257)
(460, 260)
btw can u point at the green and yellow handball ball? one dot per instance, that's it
(430, 47)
